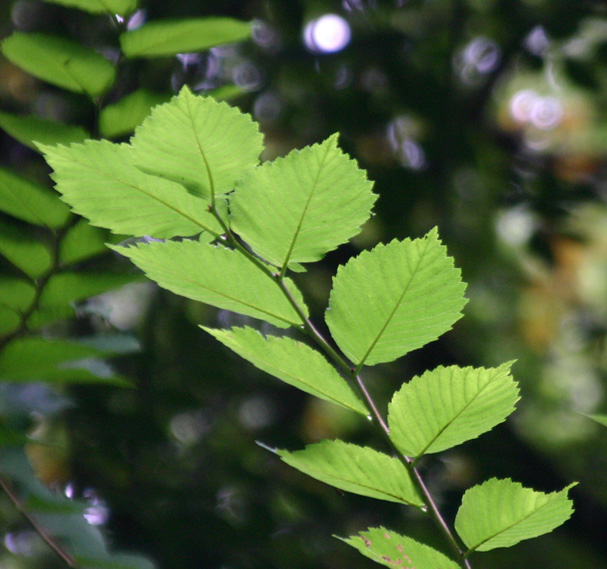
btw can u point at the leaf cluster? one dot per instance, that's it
(229, 231)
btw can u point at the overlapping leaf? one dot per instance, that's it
(393, 550)
(394, 299)
(500, 513)
(217, 276)
(122, 117)
(23, 250)
(60, 61)
(298, 208)
(356, 469)
(98, 180)
(31, 129)
(448, 406)
(201, 143)
(293, 362)
(170, 37)
(120, 7)
(30, 202)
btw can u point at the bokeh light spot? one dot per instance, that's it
(327, 34)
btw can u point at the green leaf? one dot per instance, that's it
(360, 470)
(217, 276)
(293, 362)
(38, 359)
(170, 37)
(65, 288)
(394, 299)
(98, 179)
(122, 117)
(16, 297)
(120, 7)
(600, 419)
(500, 513)
(393, 550)
(16, 294)
(203, 144)
(24, 251)
(448, 406)
(60, 61)
(30, 129)
(298, 208)
(30, 202)
(82, 241)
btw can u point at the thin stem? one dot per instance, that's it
(352, 372)
(65, 557)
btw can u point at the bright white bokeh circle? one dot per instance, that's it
(327, 34)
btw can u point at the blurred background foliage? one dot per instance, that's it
(485, 118)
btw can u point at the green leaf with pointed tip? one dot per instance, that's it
(31, 129)
(170, 37)
(122, 117)
(82, 241)
(203, 144)
(500, 513)
(394, 299)
(448, 406)
(30, 202)
(393, 550)
(293, 362)
(120, 7)
(218, 276)
(298, 208)
(356, 469)
(99, 181)
(23, 250)
(60, 61)
(38, 359)
(600, 419)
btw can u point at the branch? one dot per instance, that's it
(65, 557)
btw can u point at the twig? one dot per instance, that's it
(65, 557)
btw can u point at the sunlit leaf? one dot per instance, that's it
(29, 129)
(201, 143)
(293, 362)
(500, 513)
(39, 359)
(356, 469)
(170, 37)
(394, 299)
(298, 208)
(25, 251)
(217, 276)
(120, 7)
(60, 61)
(122, 117)
(398, 551)
(450, 405)
(30, 202)
(98, 179)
